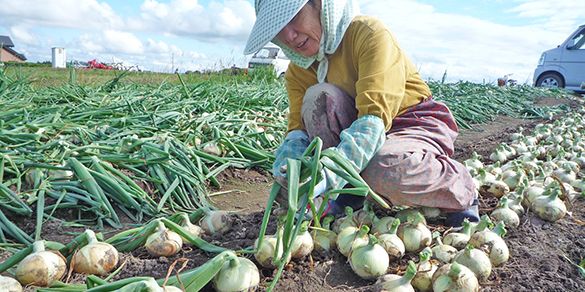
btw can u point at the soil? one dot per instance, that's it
(538, 249)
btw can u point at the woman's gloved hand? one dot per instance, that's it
(282, 197)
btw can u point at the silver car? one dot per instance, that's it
(563, 66)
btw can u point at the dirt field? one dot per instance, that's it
(538, 248)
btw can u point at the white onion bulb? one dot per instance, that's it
(96, 258)
(476, 260)
(237, 274)
(369, 261)
(351, 238)
(415, 234)
(302, 244)
(40, 268)
(8, 284)
(396, 283)
(216, 221)
(454, 277)
(163, 242)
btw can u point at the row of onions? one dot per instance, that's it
(45, 264)
(538, 174)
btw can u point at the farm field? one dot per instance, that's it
(182, 144)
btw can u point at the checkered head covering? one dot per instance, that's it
(273, 15)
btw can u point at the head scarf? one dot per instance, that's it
(273, 15)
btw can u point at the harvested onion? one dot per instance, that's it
(237, 274)
(8, 284)
(391, 242)
(270, 253)
(504, 213)
(455, 278)
(96, 258)
(423, 280)
(396, 283)
(493, 243)
(476, 260)
(443, 252)
(549, 207)
(302, 244)
(369, 261)
(415, 234)
(215, 221)
(325, 239)
(41, 267)
(186, 223)
(163, 242)
(351, 238)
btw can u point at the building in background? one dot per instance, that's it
(59, 59)
(8, 54)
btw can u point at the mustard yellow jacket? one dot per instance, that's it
(371, 67)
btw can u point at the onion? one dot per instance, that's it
(423, 280)
(476, 260)
(505, 214)
(163, 242)
(455, 278)
(325, 239)
(270, 253)
(370, 260)
(484, 223)
(415, 235)
(346, 221)
(171, 289)
(365, 216)
(549, 207)
(474, 162)
(215, 221)
(492, 242)
(237, 274)
(458, 240)
(40, 268)
(396, 283)
(8, 284)
(351, 238)
(443, 252)
(381, 225)
(494, 188)
(513, 177)
(409, 214)
(391, 242)
(96, 258)
(186, 223)
(302, 244)
(498, 155)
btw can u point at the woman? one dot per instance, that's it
(350, 84)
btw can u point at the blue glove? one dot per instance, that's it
(359, 143)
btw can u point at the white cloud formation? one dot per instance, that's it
(470, 48)
(75, 14)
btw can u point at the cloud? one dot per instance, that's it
(109, 41)
(469, 48)
(229, 21)
(76, 14)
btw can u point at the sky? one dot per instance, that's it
(477, 41)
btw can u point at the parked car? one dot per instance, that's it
(270, 55)
(563, 66)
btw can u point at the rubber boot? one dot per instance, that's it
(456, 218)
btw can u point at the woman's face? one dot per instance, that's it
(303, 33)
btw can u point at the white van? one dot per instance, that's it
(270, 55)
(563, 66)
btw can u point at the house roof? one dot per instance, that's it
(6, 41)
(7, 44)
